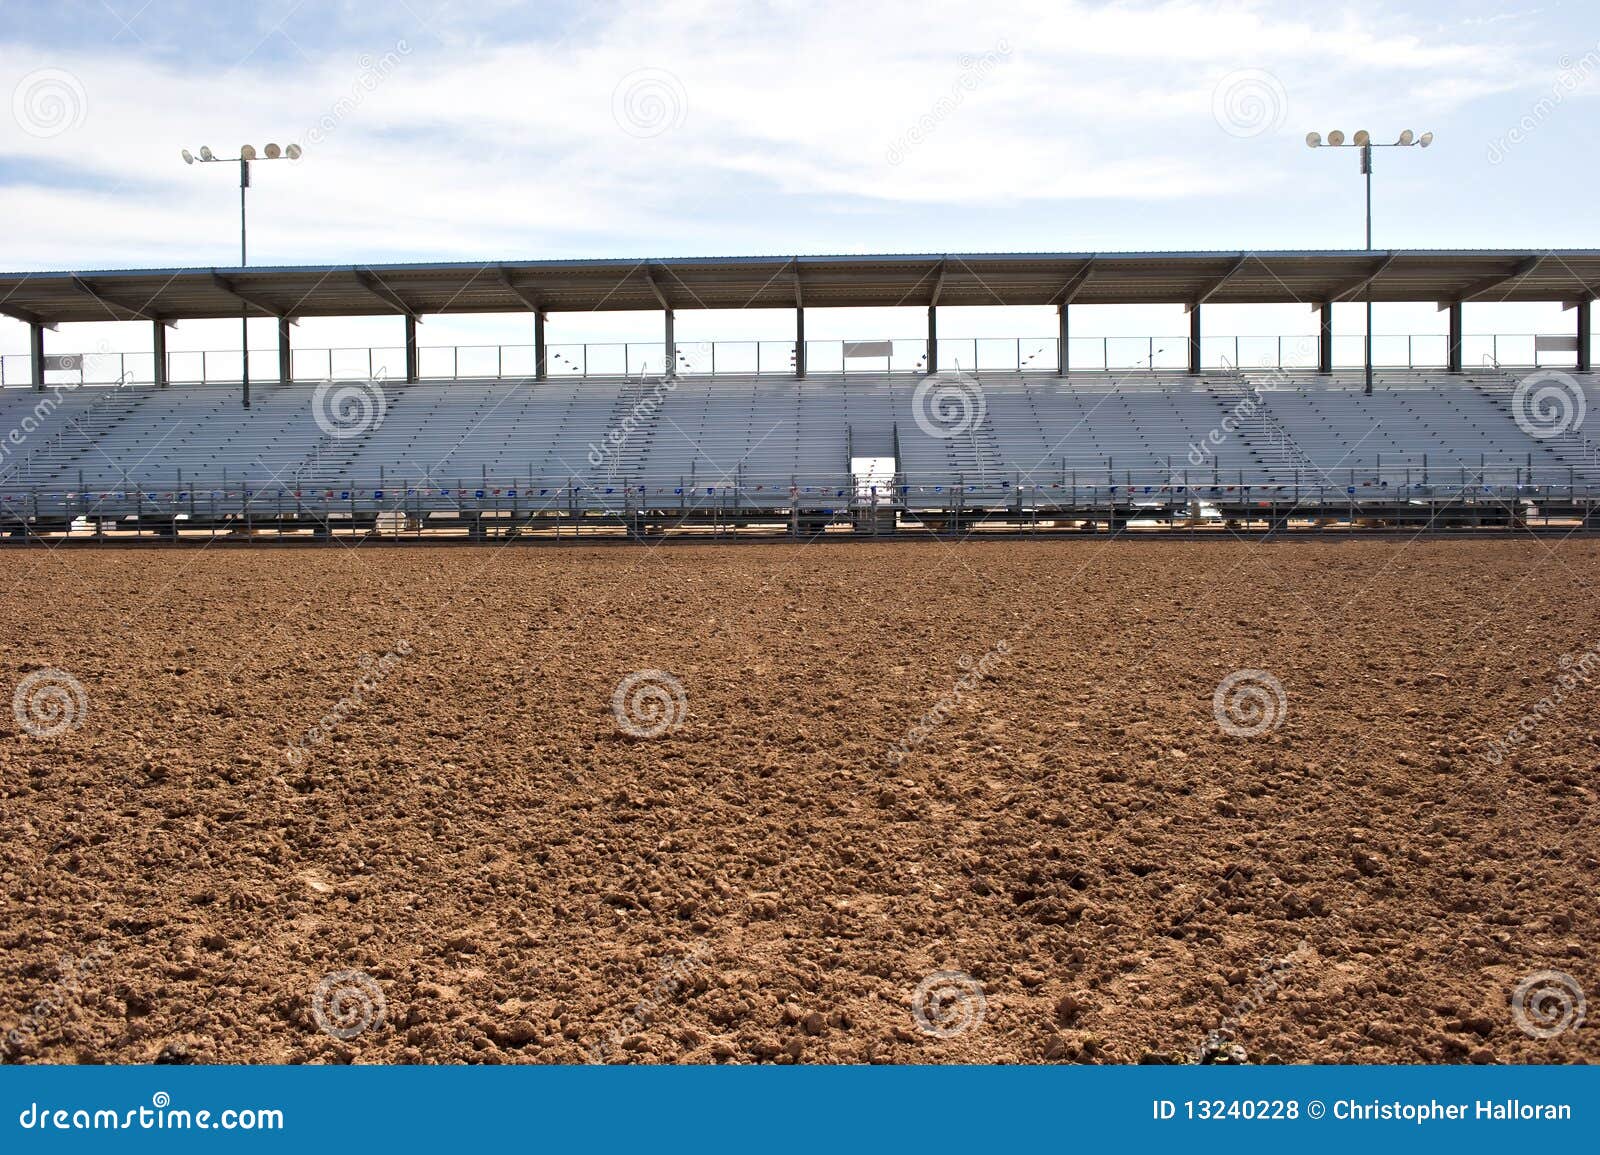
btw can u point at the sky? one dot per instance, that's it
(489, 130)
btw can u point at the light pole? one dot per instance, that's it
(1363, 141)
(247, 153)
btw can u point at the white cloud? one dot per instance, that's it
(513, 147)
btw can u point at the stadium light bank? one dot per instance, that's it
(247, 153)
(1363, 141)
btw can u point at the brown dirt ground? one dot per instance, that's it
(1079, 836)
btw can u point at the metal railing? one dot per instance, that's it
(1064, 484)
(777, 358)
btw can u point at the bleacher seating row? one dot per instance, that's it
(712, 430)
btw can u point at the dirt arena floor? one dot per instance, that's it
(916, 803)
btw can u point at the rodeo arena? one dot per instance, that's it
(790, 438)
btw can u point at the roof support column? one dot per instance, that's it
(244, 353)
(1325, 337)
(1585, 334)
(285, 353)
(411, 348)
(1063, 362)
(1453, 347)
(541, 361)
(36, 353)
(933, 339)
(800, 341)
(1194, 340)
(158, 348)
(671, 346)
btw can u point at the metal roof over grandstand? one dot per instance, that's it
(817, 281)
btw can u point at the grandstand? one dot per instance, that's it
(898, 445)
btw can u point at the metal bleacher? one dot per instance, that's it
(706, 433)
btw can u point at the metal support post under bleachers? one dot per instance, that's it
(1453, 348)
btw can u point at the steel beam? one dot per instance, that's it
(23, 315)
(1063, 358)
(1453, 348)
(119, 310)
(672, 344)
(253, 302)
(656, 289)
(1325, 337)
(1489, 284)
(933, 338)
(1585, 335)
(1075, 286)
(1194, 340)
(385, 294)
(1354, 287)
(517, 290)
(1208, 290)
(541, 358)
(411, 348)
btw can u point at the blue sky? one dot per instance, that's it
(487, 130)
